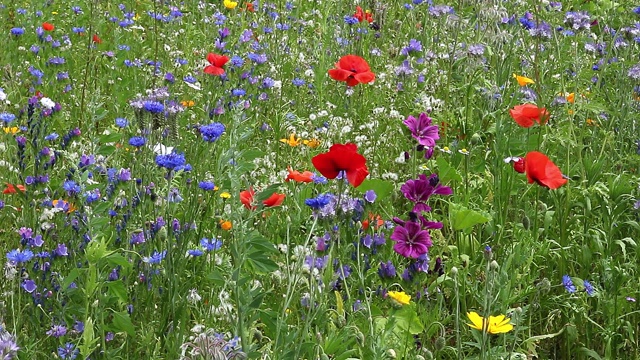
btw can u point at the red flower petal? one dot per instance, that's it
(246, 198)
(274, 200)
(213, 70)
(339, 74)
(365, 77)
(543, 171)
(342, 157)
(353, 63)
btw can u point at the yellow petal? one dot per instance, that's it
(476, 320)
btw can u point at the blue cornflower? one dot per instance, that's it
(194, 253)
(257, 58)
(318, 202)
(236, 61)
(211, 132)
(267, 83)
(350, 20)
(206, 185)
(568, 284)
(7, 117)
(71, 187)
(591, 291)
(16, 31)
(137, 238)
(153, 107)
(17, 257)
(189, 79)
(211, 244)
(57, 60)
(68, 351)
(29, 286)
(78, 30)
(171, 161)
(137, 141)
(156, 258)
(298, 82)
(57, 331)
(122, 122)
(238, 92)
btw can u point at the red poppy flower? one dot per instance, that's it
(96, 39)
(363, 15)
(217, 62)
(247, 198)
(10, 189)
(297, 176)
(518, 165)
(353, 69)
(47, 26)
(342, 157)
(526, 114)
(543, 171)
(250, 7)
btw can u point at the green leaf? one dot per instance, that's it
(117, 289)
(216, 278)
(88, 339)
(590, 353)
(407, 320)
(446, 172)
(116, 259)
(252, 154)
(122, 323)
(339, 304)
(382, 188)
(110, 138)
(73, 275)
(463, 218)
(106, 150)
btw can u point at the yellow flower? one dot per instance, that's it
(571, 98)
(312, 143)
(522, 80)
(591, 122)
(495, 325)
(463, 151)
(225, 195)
(230, 4)
(400, 297)
(11, 130)
(291, 141)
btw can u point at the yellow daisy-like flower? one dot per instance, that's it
(291, 141)
(523, 80)
(230, 4)
(400, 297)
(312, 143)
(495, 325)
(11, 130)
(225, 195)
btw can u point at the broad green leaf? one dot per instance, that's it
(446, 172)
(407, 320)
(73, 275)
(110, 138)
(117, 289)
(122, 322)
(463, 218)
(382, 188)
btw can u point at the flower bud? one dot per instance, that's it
(428, 355)
(494, 265)
(440, 343)
(360, 338)
(454, 271)
(391, 354)
(476, 139)
(488, 253)
(526, 223)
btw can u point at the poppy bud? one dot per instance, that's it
(428, 355)
(360, 338)
(257, 335)
(525, 222)
(476, 139)
(519, 166)
(440, 343)
(454, 271)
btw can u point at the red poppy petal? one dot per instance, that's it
(352, 81)
(274, 200)
(543, 171)
(518, 117)
(353, 63)
(339, 74)
(357, 176)
(214, 70)
(324, 164)
(365, 77)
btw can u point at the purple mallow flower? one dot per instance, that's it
(420, 190)
(422, 129)
(411, 240)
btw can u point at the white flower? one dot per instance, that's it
(193, 296)
(3, 96)
(47, 103)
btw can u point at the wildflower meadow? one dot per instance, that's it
(319, 179)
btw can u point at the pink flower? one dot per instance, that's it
(411, 240)
(422, 130)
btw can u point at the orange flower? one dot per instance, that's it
(96, 39)
(247, 199)
(47, 26)
(526, 114)
(297, 176)
(374, 219)
(226, 225)
(10, 189)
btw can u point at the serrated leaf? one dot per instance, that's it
(407, 320)
(217, 278)
(116, 259)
